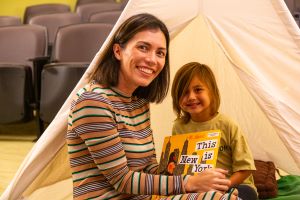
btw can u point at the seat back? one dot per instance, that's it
(41, 9)
(58, 81)
(18, 44)
(10, 21)
(53, 21)
(81, 2)
(86, 10)
(16, 93)
(109, 17)
(79, 42)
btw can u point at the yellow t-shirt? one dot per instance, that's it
(234, 153)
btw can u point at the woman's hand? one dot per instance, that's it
(211, 179)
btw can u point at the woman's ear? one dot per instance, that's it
(117, 51)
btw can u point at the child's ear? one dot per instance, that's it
(117, 51)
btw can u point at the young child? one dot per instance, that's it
(196, 101)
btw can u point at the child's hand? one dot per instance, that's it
(211, 179)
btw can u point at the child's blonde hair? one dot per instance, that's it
(182, 81)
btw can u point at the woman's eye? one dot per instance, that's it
(161, 54)
(142, 47)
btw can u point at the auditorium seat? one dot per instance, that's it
(81, 2)
(21, 49)
(52, 22)
(79, 42)
(16, 93)
(58, 81)
(41, 9)
(109, 17)
(10, 21)
(86, 10)
(74, 48)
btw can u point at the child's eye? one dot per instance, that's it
(186, 93)
(198, 89)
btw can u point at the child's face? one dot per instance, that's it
(196, 100)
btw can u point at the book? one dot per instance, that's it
(189, 153)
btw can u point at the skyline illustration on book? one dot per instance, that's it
(189, 153)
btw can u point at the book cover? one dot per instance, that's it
(189, 153)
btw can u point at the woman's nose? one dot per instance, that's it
(151, 58)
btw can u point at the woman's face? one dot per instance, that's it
(141, 60)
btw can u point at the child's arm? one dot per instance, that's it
(239, 176)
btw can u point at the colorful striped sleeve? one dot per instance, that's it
(152, 166)
(93, 120)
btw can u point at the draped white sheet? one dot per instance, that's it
(253, 48)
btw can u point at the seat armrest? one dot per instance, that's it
(38, 64)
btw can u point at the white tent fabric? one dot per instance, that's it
(253, 48)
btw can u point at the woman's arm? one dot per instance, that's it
(93, 121)
(152, 166)
(210, 179)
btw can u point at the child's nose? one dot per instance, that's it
(192, 95)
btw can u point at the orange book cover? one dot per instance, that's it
(189, 153)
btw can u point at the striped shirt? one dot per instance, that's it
(111, 148)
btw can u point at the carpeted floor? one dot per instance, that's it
(12, 153)
(22, 131)
(16, 140)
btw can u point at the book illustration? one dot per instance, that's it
(172, 163)
(189, 153)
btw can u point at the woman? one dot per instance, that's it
(110, 141)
